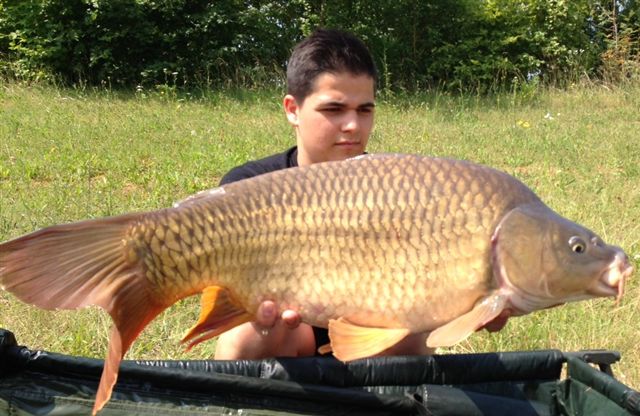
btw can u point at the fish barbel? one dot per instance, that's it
(374, 248)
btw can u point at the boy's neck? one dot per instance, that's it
(302, 158)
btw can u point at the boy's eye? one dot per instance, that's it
(330, 109)
(363, 110)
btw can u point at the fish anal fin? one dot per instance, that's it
(463, 326)
(219, 312)
(350, 341)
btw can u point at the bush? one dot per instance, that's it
(463, 45)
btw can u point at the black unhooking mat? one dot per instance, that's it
(506, 383)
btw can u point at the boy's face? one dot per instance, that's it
(335, 119)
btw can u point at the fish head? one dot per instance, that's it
(542, 259)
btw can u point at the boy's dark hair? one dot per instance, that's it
(326, 50)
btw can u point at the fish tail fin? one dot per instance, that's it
(75, 265)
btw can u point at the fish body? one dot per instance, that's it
(374, 248)
(407, 236)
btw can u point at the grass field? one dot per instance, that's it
(68, 155)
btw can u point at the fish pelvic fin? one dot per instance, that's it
(71, 266)
(350, 341)
(219, 312)
(460, 328)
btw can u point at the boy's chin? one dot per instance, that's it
(344, 151)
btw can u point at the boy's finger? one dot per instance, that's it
(266, 315)
(291, 318)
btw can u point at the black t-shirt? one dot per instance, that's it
(284, 160)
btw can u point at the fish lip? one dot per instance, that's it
(612, 279)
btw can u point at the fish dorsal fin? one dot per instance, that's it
(206, 194)
(350, 341)
(219, 312)
(463, 326)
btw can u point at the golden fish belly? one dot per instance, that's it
(382, 241)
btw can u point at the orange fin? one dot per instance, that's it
(463, 326)
(133, 309)
(219, 312)
(350, 341)
(324, 349)
(70, 266)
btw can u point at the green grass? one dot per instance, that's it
(67, 155)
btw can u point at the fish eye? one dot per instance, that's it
(577, 245)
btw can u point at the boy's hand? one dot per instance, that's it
(269, 335)
(266, 317)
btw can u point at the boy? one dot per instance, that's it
(330, 103)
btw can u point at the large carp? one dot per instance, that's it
(374, 248)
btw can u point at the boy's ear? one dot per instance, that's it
(291, 109)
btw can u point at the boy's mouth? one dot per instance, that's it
(348, 143)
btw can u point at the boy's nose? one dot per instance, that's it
(350, 122)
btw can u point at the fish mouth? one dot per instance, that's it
(611, 282)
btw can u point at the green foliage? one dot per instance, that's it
(464, 45)
(131, 42)
(618, 29)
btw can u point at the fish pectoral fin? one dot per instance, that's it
(463, 326)
(219, 312)
(350, 341)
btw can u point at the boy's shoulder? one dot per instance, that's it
(284, 160)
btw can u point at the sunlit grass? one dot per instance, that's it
(68, 155)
